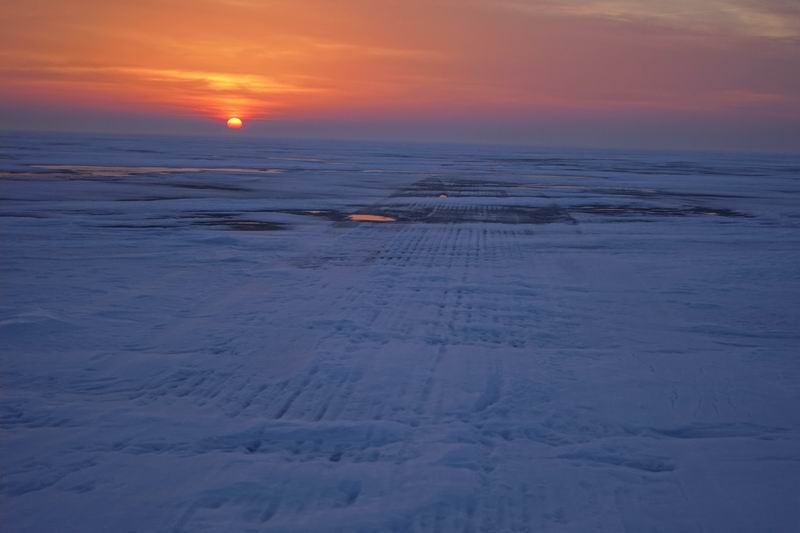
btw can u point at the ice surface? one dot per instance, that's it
(205, 335)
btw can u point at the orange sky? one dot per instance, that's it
(385, 60)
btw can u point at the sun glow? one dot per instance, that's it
(235, 123)
(448, 70)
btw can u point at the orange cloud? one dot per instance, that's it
(763, 18)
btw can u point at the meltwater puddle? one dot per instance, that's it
(360, 217)
(121, 171)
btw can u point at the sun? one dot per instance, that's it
(235, 123)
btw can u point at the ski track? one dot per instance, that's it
(495, 360)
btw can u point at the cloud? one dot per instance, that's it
(772, 19)
(216, 93)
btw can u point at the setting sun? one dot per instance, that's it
(234, 123)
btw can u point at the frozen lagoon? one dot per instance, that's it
(197, 335)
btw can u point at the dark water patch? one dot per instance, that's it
(203, 186)
(243, 225)
(226, 222)
(24, 200)
(22, 148)
(90, 212)
(332, 215)
(152, 198)
(654, 193)
(208, 214)
(632, 166)
(488, 214)
(136, 226)
(21, 215)
(626, 191)
(629, 210)
(645, 463)
(551, 162)
(436, 187)
(538, 160)
(456, 193)
(720, 431)
(683, 169)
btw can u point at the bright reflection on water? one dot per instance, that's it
(119, 171)
(370, 218)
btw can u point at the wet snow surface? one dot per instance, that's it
(232, 335)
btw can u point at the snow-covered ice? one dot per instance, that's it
(197, 335)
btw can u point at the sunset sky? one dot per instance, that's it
(639, 73)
